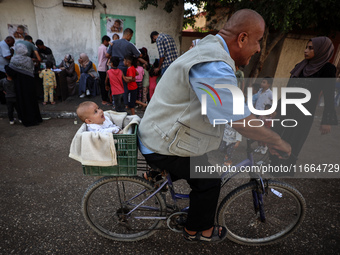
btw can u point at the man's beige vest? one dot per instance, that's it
(173, 123)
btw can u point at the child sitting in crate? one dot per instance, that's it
(93, 116)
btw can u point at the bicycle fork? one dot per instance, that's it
(258, 199)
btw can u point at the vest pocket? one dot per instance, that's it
(189, 142)
(158, 130)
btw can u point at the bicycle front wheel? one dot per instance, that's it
(284, 209)
(107, 206)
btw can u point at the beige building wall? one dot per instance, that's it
(19, 12)
(292, 53)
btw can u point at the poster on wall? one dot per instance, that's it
(115, 24)
(114, 27)
(18, 31)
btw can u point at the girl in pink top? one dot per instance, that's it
(139, 80)
(153, 78)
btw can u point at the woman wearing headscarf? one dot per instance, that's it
(21, 68)
(309, 74)
(87, 76)
(68, 65)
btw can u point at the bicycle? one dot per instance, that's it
(130, 208)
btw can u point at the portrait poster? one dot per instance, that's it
(18, 31)
(115, 24)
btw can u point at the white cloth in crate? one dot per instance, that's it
(98, 149)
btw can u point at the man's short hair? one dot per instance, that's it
(105, 38)
(8, 38)
(268, 79)
(152, 34)
(39, 42)
(49, 64)
(128, 31)
(132, 59)
(114, 61)
(128, 57)
(28, 38)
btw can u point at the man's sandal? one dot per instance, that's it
(214, 238)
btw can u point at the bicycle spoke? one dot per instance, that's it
(282, 214)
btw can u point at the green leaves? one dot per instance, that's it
(283, 16)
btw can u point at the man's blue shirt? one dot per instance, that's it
(216, 73)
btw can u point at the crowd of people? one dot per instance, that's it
(173, 134)
(36, 60)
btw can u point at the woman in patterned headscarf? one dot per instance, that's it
(68, 65)
(309, 74)
(21, 69)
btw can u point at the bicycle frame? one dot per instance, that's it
(257, 194)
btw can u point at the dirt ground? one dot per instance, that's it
(41, 190)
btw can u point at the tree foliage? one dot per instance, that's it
(284, 16)
(281, 17)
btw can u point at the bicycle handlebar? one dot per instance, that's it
(283, 154)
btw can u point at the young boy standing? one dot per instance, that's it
(49, 82)
(265, 95)
(7, 87)
(130, 79)
(114, 81)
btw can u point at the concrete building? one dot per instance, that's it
(75, 30)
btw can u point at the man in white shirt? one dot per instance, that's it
(102, 68)
(265, 95)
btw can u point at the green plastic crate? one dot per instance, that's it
(127, 153)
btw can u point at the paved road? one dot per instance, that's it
(41, 189)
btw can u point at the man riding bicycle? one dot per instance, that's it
(175, 136)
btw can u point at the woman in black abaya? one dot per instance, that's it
(21, 69)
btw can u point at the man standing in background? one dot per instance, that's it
(45, 52)
(5, 57)
(166, 48)
(102, 68)
(5, 54)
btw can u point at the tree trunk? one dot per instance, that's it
(265, 51)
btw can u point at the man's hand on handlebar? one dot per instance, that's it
(282, 150)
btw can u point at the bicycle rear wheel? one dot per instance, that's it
(284, 209)
(107, 202)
